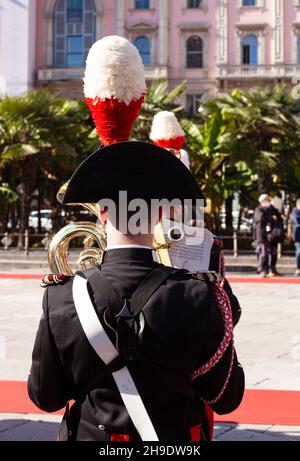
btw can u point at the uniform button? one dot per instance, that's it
(101, 427)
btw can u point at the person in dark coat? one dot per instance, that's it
(142, 349)
(296, 233)
(267, 221)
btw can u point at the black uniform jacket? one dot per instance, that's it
(183, 330)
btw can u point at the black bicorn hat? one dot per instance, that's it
(143, 170)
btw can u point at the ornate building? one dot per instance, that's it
(17, 46)
(176, 39)
(212, 44)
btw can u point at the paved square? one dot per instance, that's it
(267, 340)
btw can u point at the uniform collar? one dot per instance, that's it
(127, 253)
(118, 247)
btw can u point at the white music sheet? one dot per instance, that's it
(191, 252)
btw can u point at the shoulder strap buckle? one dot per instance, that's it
(124, 316)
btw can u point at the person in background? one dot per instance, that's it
(277, 203)
(296, 233)
(269, 230)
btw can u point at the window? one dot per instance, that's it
(194, 51)
(249, 2)
(75, 51)
(250, 50)
(142, 4)
(193, 103)
(74, 10)
(74, 32)
(194, 3)
(144, 46)
(298, 50)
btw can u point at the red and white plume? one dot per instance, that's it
(166, 131)
(114, 87)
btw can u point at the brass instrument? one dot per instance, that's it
(94, 233)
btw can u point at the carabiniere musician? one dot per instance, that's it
(143, 349)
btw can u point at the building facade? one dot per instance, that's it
(17, 46)
(214, 45)
(262, 43)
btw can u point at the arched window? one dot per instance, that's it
(144, 46)
(74, 32)
(142, 4)
(250, 50)
(194, 52)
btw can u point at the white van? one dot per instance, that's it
(46, 221)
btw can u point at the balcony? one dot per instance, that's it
(152, 72)
(260, 71)
(48, 75)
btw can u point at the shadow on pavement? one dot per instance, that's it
(236, 432)
(28, 430)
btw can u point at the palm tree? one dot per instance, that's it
(244, 142)
(39, 133)
(260, 129)
(8, 198)
(217, 177)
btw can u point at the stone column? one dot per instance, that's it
(279, 32)
(238, 46)
(163, 32)
(31, 41)
(295, 35)
(120, 17)
(49, 40)
(262, 46)
(222, 32)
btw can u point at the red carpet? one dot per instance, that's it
(14, 398)
(266, 407)
(232, 278)
(258, 407)
(276, 280)
(21, 276)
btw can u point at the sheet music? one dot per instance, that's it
(193, 251)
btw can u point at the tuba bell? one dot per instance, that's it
(94, 242)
